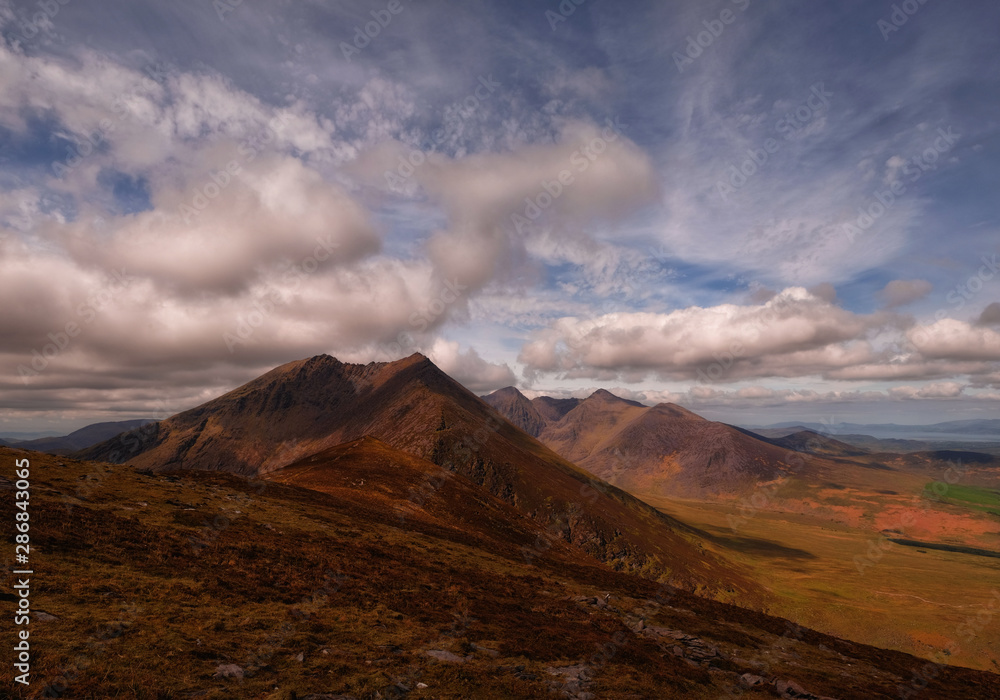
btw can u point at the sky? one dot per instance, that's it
(763, 211)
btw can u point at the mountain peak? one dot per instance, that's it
(606, 396)
(515, 407)
(414, 359)
(511, 392)
(676, 411)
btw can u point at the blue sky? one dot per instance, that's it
(767, 210)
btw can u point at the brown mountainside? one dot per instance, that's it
(303, 408)
(317, 592)
(515, 407)
(663, 449)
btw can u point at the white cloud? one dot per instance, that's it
(469, 368)
(793, 333)
(940, 390)
(491, 198)
(956, 340)
(217, 228)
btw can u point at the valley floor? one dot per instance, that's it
(850, 581)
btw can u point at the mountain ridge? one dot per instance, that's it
(663, 449)
(304, 407)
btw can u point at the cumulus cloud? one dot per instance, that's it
(217, 228)
(940, 390)
(791, 334)
(469, 368)
(956, 340)
(523, 215)
(902, 292)
(594, 173)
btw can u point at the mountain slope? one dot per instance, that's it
(372, 475)
(663, 449)
(515, 407)
(553, 409)
(309, 594)
(302, 408)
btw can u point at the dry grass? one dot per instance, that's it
(284, 571)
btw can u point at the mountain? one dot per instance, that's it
(515, 407)
(777, 432)
(663, 449)
(303, 408)
(973, 428)
(371, 475)
(83, 438)
(553, 409)
(268, 590)
(813, 443)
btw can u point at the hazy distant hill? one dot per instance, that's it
(83, 438)
(814, 443)
(977, 427)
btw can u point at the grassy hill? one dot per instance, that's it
(215, 586)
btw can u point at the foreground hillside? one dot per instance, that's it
(307, 407)
(207, 585)
(865, 546)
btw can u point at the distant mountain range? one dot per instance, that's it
(78, 439)
(979, 427)
(663, 449)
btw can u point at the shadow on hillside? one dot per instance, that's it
(759, 547)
